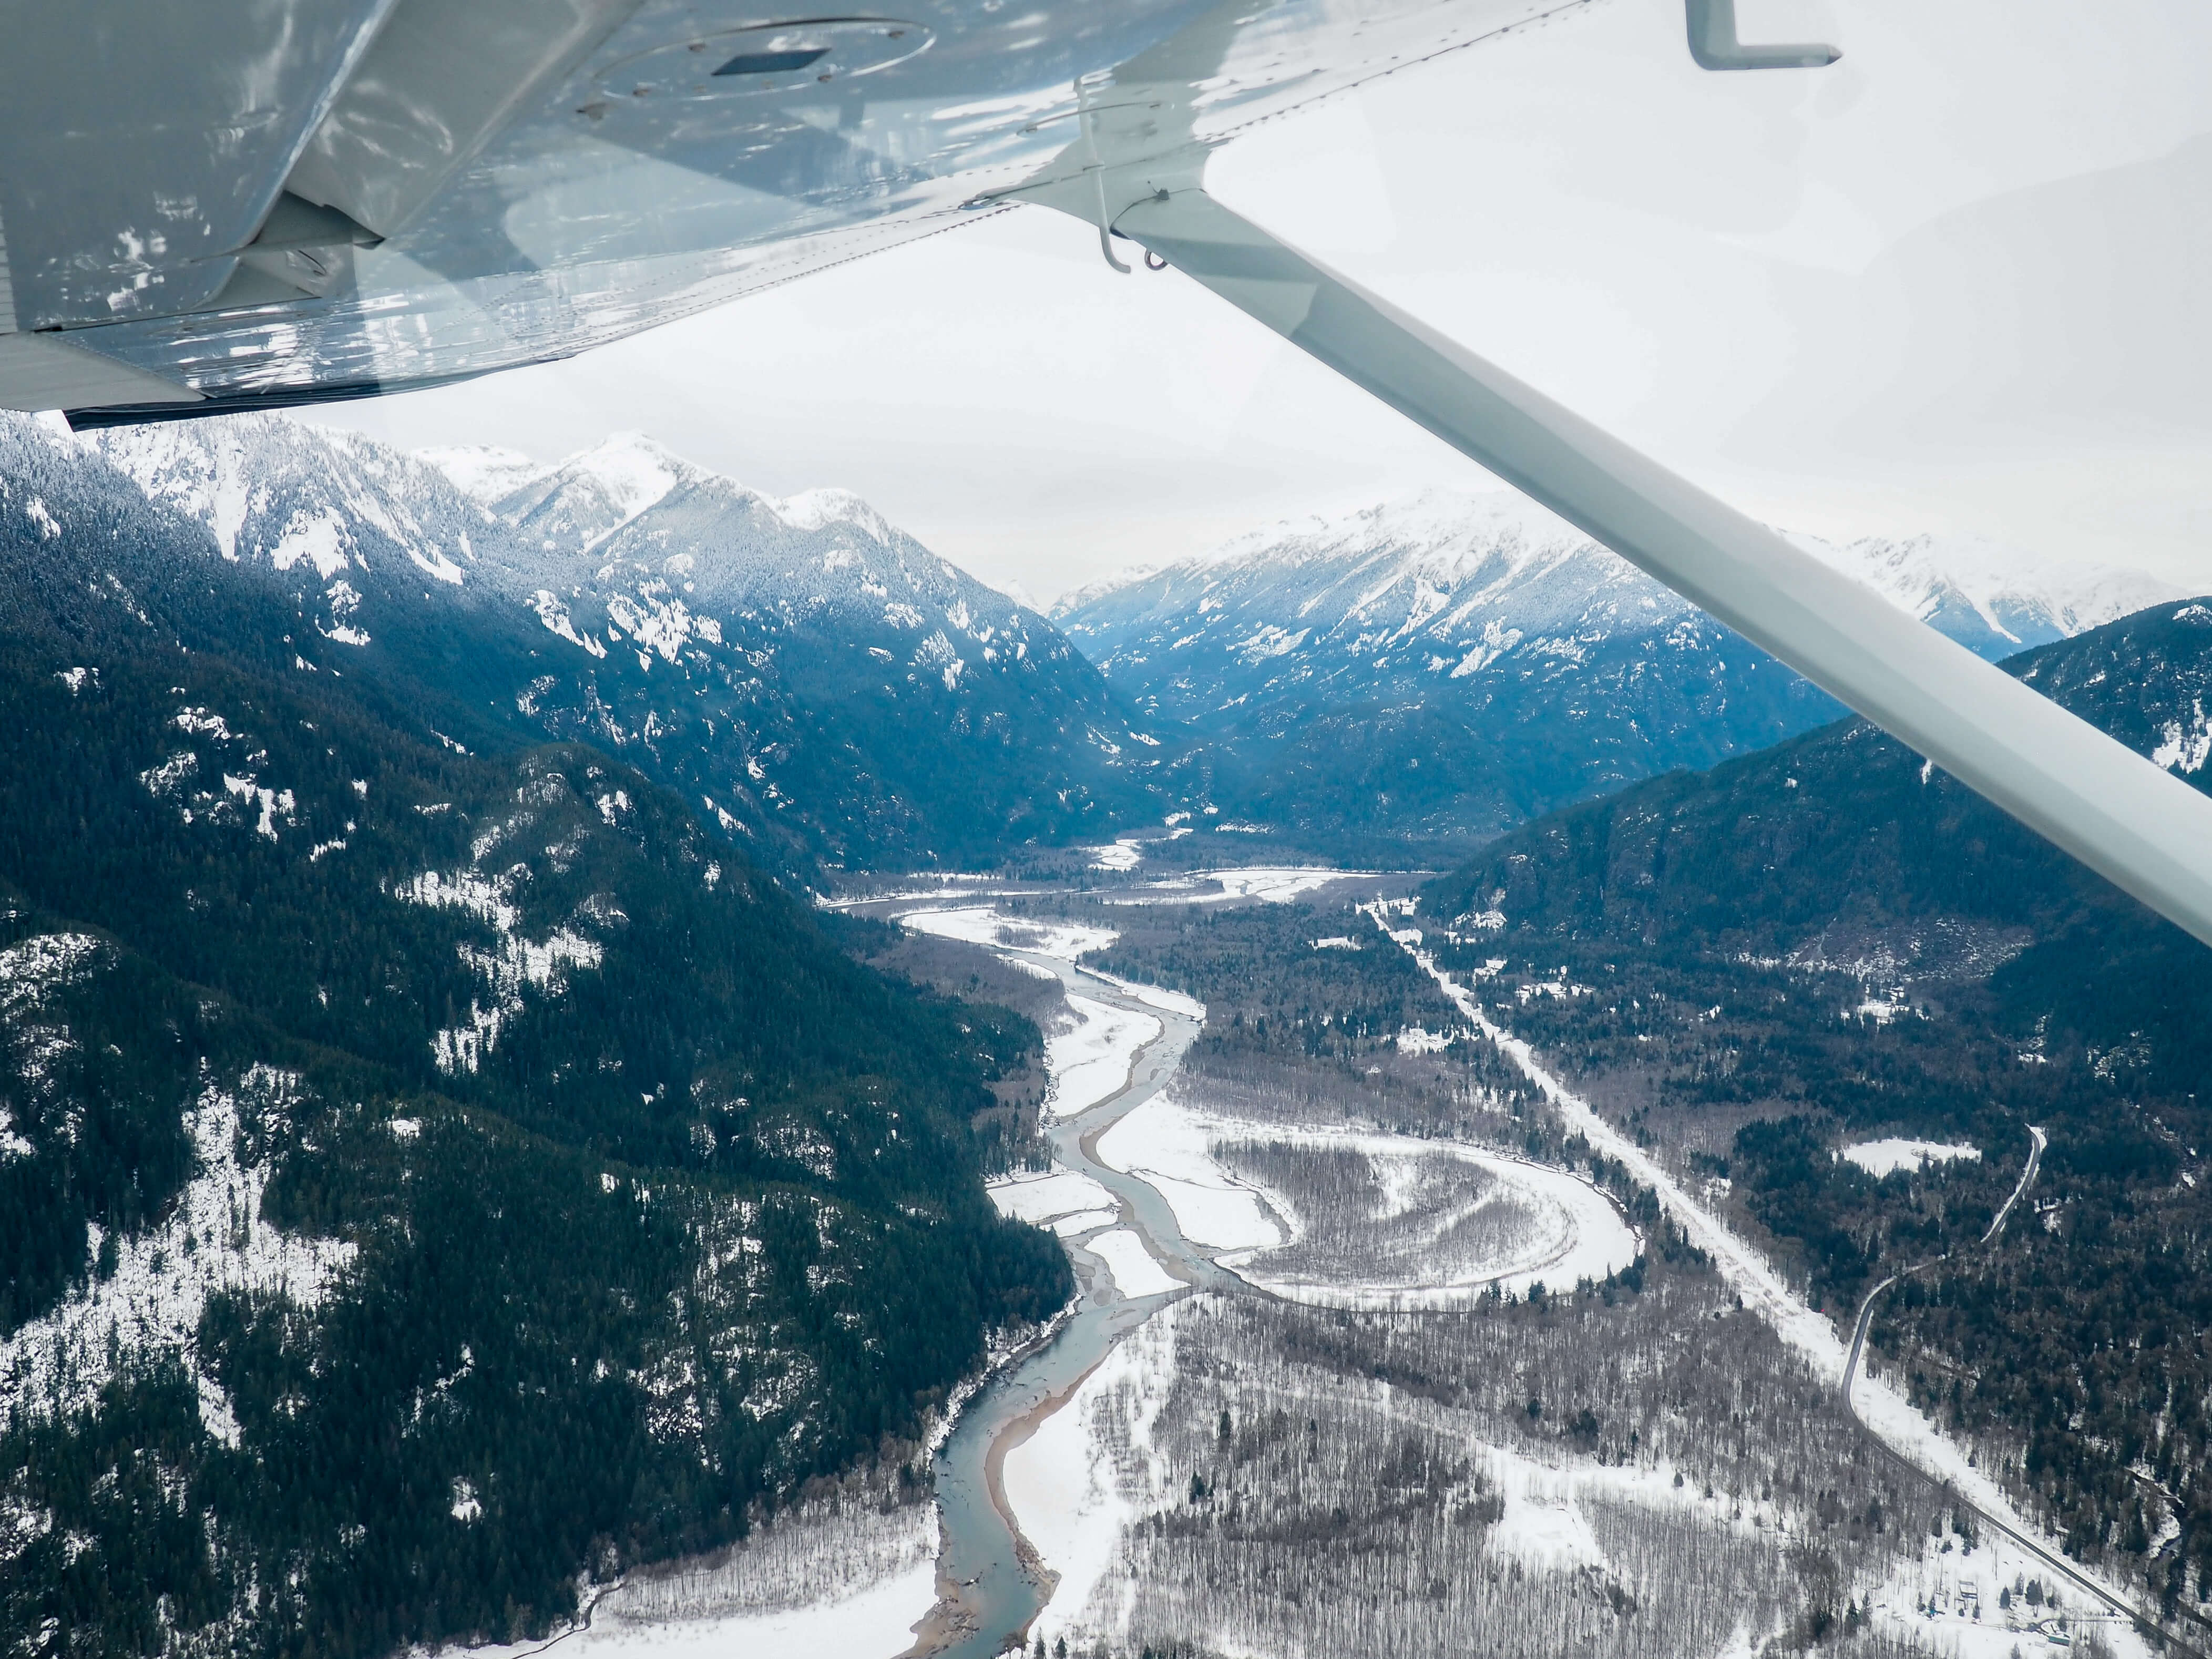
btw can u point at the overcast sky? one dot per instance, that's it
(1956, 284)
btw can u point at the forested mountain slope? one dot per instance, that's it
(798, 669)
(950, 721)
(430, 1176)
(1831, 942)
(1845, 831)
(1445, 668)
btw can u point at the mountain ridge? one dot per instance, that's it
(1923, 574)
(802, 670)
(1830, 941)
(1435, 671)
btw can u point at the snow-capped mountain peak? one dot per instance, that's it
(589, 496)
(1442, 529)
(2021, 599)
(818, 509)
(1437, 567)
(483, 472)
(636, 471)
(629, 516)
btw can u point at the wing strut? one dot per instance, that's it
(2131, 821)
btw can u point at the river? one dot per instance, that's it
(991, 1585)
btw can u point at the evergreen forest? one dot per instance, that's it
(439, 1169)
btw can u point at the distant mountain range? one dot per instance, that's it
(802, 672)
(1399, 684)
(1438, 671)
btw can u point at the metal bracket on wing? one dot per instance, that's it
(2140, 826)
(1714, 44)
(1106, 223)
(1087, 117)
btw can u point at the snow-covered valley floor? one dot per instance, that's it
(1253, 1433)
(844, 1578)
(1316, 1214)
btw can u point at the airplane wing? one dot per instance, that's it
(208, 209)
(282, 201)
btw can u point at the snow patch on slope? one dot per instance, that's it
(42, 962)
(213, 1241)
(2186, 748)
(513, 964)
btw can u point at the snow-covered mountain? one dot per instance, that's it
(482, 472)
(907, 681)
(633, 532)
(593, 493)
(1991, 599)
(319, 1045)
(812, 677)
(1448, 666)
(271, 491)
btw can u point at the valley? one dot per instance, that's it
(598, 1060)
(1107, 1458)
(1066, 1477)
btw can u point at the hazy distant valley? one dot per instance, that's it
(563, 1018)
